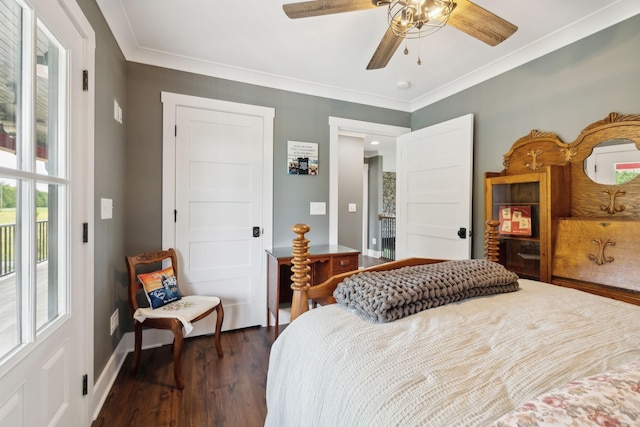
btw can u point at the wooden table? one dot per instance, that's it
(326, 261)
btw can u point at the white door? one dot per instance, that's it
(46, 162)
(433, 191)
(220, 210)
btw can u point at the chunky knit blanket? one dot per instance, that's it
(384, 296)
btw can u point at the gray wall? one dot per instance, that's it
(298, 118)
(109, 175)
(350, 188)
(561, 92)
(375, 201)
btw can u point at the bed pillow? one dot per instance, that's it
(160, 287)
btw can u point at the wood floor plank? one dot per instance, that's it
(218, 392)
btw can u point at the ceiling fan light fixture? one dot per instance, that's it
(418, 18)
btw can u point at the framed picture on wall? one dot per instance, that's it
(302, 158)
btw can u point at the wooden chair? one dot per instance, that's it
(174, 316)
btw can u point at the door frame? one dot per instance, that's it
(170, 102)
(336, 126)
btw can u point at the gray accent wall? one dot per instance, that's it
(375, 201)
(298, 118)
(350, 188)
(561, 92)
(110, 181)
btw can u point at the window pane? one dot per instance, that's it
(50, 113)
(48, 109)
(49, 255)
(10, 83)
(9, 283)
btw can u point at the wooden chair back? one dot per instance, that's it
(143, 263)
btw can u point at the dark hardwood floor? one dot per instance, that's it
(218, 392)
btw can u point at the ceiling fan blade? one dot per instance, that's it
(385, 50)
(326, 7)
(480, 23)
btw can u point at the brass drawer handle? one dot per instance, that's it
(345, 262)
(601, 258)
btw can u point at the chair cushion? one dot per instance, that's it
(160, 287)
(185, 310)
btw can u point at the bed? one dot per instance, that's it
(560, 353)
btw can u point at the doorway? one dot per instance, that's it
(339, 126)
(217, 209)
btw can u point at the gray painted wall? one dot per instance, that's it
(561, 92)
(375, 201)
(298, 118)
(109, 174)
(350, 188)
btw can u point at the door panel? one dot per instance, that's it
(41, 376)
(433, 190)
(219, 199)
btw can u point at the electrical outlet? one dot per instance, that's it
(114, 321)
(373, 241)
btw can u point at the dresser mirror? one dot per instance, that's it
(613, 162)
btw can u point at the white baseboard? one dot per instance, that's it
(373, 253)
(150, 337)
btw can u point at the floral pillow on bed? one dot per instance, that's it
(608, 399)
(160, 287)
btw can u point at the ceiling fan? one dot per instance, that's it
(407, 19)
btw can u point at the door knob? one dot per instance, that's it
(462, 233)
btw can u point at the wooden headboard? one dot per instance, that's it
(596, 247)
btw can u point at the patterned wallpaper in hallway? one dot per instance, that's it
(389, 193)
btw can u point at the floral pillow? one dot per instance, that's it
(160, 287)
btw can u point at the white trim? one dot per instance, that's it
(365, 208)
(337, 126)
(170, 101)
(609, 15)
(151, 338)
(606, 17)
(83, 26)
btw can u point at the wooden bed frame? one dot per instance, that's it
(596, 248)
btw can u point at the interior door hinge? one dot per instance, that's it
(175, 215)
(85, 232)
(85, 80)
(85, 384)
(175, 130)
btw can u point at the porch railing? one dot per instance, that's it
(7, 246)
(388, 236)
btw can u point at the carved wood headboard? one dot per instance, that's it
(597, 248)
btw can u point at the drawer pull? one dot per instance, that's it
(612, 208)
(344, 262)
(600, 258)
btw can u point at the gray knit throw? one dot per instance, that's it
(384, 296)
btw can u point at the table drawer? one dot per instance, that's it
(344, 263)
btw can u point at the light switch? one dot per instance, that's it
(106, 208)
(352, 207)
(317, 208)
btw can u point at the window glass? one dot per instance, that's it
(33, 178)
(10, 84)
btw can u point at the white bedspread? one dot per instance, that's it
(463, 364)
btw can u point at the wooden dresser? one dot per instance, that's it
(583, 200)
(326, 261)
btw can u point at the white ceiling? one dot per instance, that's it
(253, 41)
